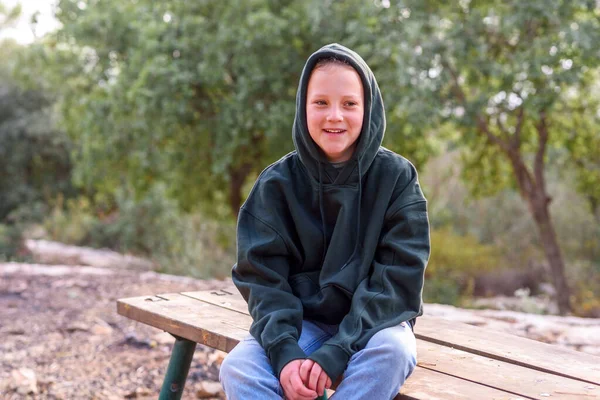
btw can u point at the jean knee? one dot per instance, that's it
(409, 359)
(397, 349)
(393, 355)
(227, 369)
(234, 364)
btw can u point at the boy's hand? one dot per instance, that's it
(292, 384)
(314, 377)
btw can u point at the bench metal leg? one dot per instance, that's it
(179, 366)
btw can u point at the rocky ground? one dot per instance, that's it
(61, 338)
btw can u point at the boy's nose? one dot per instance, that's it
(335, 115)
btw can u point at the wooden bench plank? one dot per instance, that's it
(497, 345)
(508, 377)
(426, 384)
(188, 318)
(506, 347)
(222, 329)
(465, 365)
(228, 298)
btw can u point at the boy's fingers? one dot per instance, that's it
(321, 383)
(314, 376)
(299, 387)
(305, 370)
(328, 384)
(287, 388)
(286, 385)
(290, 393)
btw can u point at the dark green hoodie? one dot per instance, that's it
(343, 246)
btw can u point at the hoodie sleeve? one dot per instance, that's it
(261, 276)
(392, 293)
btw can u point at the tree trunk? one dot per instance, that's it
(248, 155)
(534, 192)
(538, 205)
(595, 207)
(532, 187)
(237, 178)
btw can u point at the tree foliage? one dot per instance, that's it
(9, 15)
(504, 76)
(489, 71)
(34, 155)
(197, 95)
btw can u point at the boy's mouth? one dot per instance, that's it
(334, 131)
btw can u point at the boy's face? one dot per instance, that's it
(334, 110)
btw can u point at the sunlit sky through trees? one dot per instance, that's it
(23, 31)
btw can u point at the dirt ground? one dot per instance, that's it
(61, 338)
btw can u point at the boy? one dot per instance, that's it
(333, 241)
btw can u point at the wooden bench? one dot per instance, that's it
(455, 360)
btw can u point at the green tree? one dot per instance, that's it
(197, 95)
(581, 135)
(34, 155)
(8, 15)
(503, 77)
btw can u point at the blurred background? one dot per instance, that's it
(140, 126)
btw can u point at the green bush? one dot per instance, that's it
(34, 154)
(201, 248)
(185, 244)
(151, 227)
(72, 222)
(455, 260)
(10, 242)
(14, 230)
(585, 285)
(460, 255)
(442, 290)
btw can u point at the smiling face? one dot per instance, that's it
(335, 110)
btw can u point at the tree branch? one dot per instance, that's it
(516, 138)
(500, 124)
(456, 89)
(538, 164)
(525, 181)
(484, 127)
(512, 149)
(482, 123)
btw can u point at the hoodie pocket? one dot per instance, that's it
(305, 284)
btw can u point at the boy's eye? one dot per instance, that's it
(320, 102)
(351, 103)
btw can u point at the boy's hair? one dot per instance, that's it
(323, 62)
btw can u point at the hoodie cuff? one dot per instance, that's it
(332, 359)
(283, 352)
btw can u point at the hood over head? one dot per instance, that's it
(373, 127)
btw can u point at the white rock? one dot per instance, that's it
(216, 357)
(594, 350)
(102, 329)
(581, 336)
(24, 381)
(208, 390)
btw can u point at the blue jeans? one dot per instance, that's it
(376, 372)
